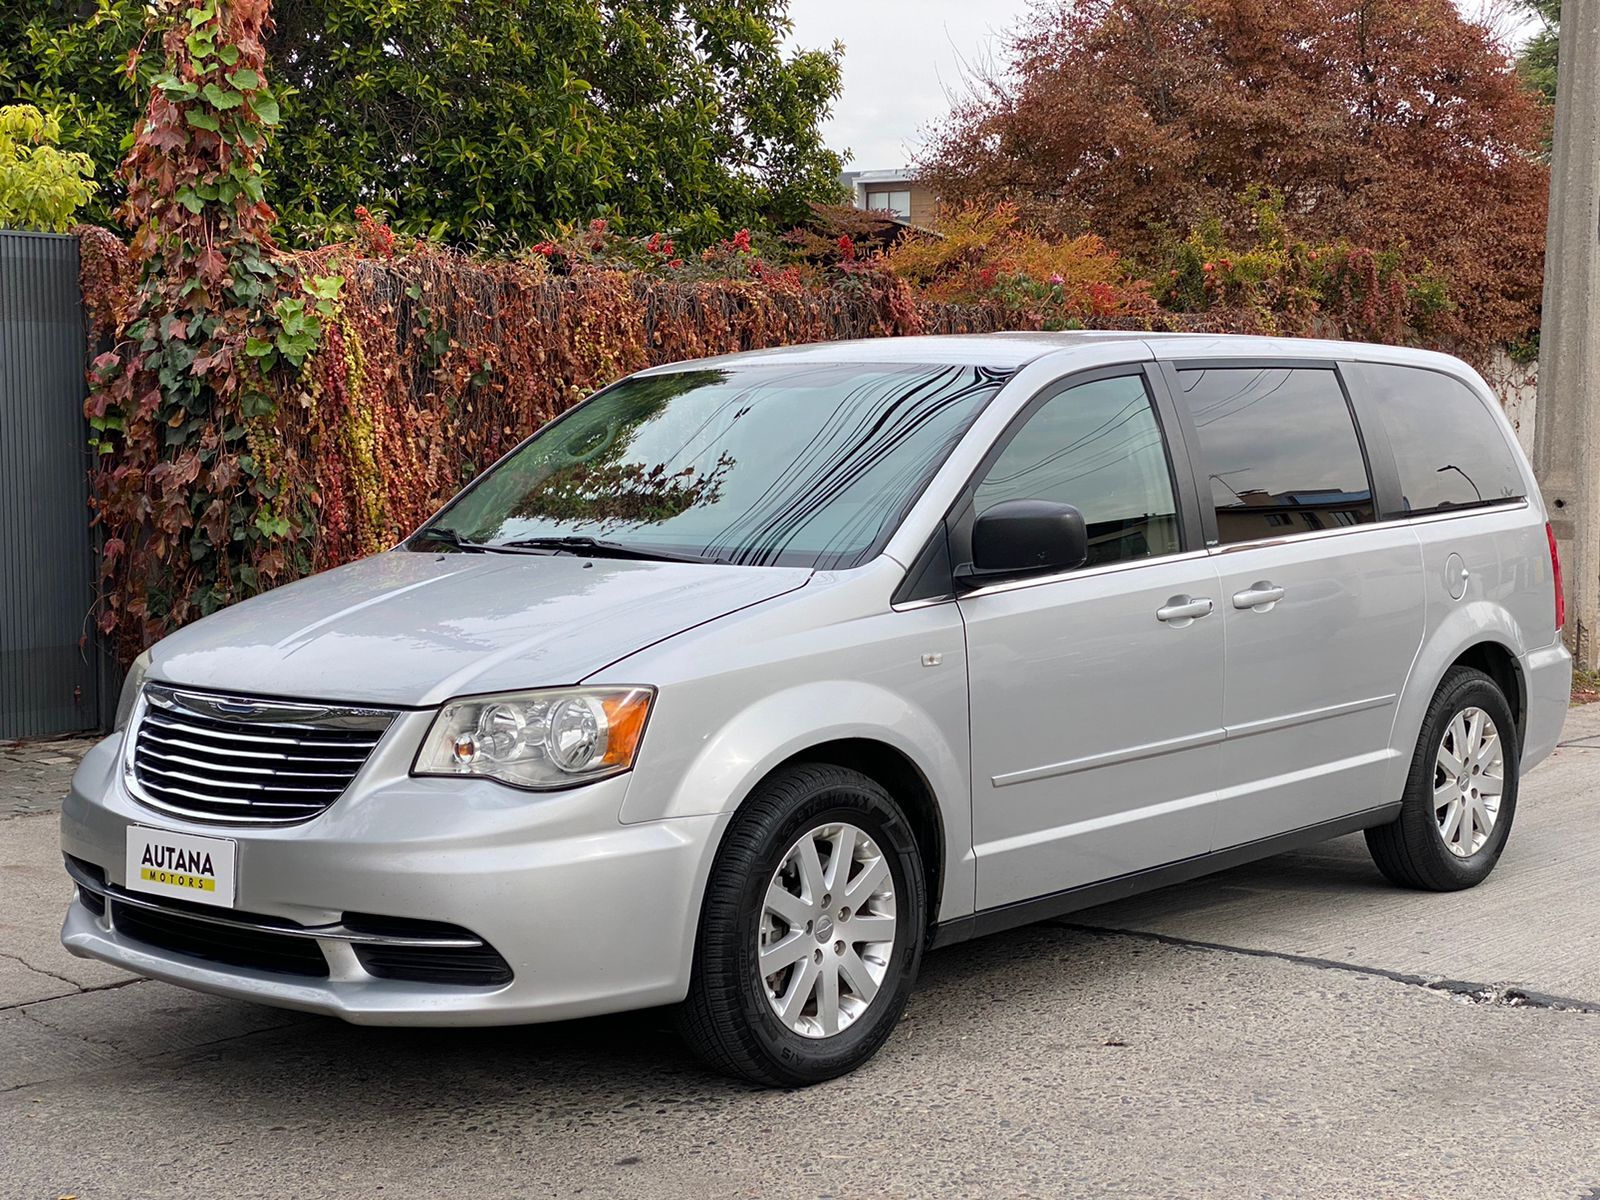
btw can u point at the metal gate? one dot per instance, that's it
(50, 670)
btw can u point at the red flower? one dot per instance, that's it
(377, 237)
(741, 241)
(545, 248)
(598, 225)
(847, 248)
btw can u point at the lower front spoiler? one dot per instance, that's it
(348, 992)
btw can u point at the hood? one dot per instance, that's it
(414, 629)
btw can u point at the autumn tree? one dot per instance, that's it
(1389, 123)
(487, 122)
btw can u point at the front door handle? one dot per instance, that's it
(1183, 610)
(1260, 596)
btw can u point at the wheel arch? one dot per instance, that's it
(895, 771)
(1479, 634)
(1496, 660)
(917, 752)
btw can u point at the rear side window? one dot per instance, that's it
(1278, 449)
(1096, 446)
(1448, 447)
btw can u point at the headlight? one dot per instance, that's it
(544, 740)
(131, 687)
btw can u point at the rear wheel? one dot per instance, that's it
(811, 933)
(1461, 793)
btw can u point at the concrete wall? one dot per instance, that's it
(1517, 385)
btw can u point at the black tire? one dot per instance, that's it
(1411, 851)
(727, 1018)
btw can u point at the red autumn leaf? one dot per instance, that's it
(213, 266)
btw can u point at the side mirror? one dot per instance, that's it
(1024, 537)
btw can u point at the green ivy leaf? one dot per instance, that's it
(245, 79)
(265, 106)
(221, 97)
(201, 119)
(325, 287)
(174, 88)
(271, 526)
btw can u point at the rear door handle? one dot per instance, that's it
(1259, 596)
(1183, 610)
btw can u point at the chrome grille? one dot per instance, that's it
(246, 761)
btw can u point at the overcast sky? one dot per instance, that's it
(901, 57)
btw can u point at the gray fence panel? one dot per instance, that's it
(49, 669)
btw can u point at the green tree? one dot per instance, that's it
(70, 59)
(41, 186)
(490, 120)
(1538, 58)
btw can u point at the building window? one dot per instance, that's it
(898, 203)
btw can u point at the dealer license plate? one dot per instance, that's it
(183, 866)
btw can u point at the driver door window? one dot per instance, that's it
(1097, 447)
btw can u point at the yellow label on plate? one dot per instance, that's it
(174, 879)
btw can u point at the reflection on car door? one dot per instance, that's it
(1096, 695)
(1322, 606)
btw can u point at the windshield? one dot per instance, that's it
(776, 466)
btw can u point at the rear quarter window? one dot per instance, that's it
(1449, 449)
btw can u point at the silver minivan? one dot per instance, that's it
(747, 681)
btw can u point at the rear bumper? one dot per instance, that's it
(591, 915)
(1547, 674)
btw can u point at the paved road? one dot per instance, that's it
(1271, 1031)
(33, 774)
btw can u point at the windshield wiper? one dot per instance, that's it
(439, 533)
(581, 544)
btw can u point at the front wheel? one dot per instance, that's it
(1461, 793)
(811, 932)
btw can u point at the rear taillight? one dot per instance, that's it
(1555, 569)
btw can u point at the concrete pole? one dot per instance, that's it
(1566, 445)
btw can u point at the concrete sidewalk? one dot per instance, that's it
(1272, 1031)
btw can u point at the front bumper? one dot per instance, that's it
(591, 915)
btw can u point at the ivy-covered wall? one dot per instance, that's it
(428, 366)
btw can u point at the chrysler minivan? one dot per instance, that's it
(747, 681)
